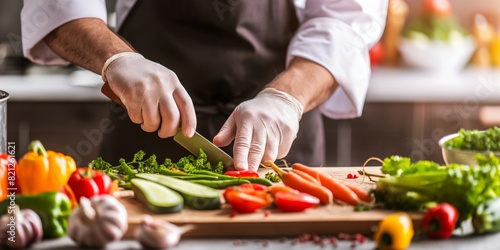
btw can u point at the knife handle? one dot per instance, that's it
(106, 90)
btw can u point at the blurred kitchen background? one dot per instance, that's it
(433, 73)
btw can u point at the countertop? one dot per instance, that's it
(387, 85)
(484, 242)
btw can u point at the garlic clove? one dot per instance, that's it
(159, 234)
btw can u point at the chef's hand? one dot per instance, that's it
(263, 128)
(151, 93)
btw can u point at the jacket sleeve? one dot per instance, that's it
(39, 18)
(337, 34)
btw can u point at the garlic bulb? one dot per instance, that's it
(159, 234)
(97, 221)
(20, 229)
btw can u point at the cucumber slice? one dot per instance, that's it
(195, 195)
(158, 198)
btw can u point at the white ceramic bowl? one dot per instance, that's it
(460, 156)
(437, 56)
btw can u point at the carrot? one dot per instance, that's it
(306, 176)
(294, 181)
(361, 193)
(281, 188)
(339, 190)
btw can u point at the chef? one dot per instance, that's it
(247, 74)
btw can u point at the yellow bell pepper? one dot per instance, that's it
(41, 170)
(394, 232)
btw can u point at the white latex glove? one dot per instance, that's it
(263, 128)
(151, 93)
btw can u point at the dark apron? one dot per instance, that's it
(224, 53)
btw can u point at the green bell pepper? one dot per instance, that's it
(54, 209)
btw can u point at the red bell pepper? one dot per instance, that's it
(88, 182)
(7, 169)
(439, 222)
(242, 173)
(4, 162)
(247, 198)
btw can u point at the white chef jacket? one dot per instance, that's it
(333, 33)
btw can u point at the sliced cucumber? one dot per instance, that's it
(158, 198)
(195, 195)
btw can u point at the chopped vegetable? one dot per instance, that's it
(245, 203)
(41, 170)
(156, 197)
(97, 221)
(293, 180)
(340, 191)
(272, 176)
(251, 189)
(88, 182)
(53, 208)
(195, 195)
(394, 232)
(242, 173)
(422, 184)
(125, 171)
(294, 202)
(440, 221)
(488, 140)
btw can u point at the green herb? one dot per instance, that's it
(422, 184)
(125, 171)
(272, 176)
(362, 207)
(488, 140)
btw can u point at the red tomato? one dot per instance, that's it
(441, 8)
(376, 54)
(252, 189)
(245, 203)
(294, 202)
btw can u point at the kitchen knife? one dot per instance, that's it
(193, 144)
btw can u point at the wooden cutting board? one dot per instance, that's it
(324, 220)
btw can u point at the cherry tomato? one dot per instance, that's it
(294, 202)
(245, 203)
(376, 54)
(441, 8)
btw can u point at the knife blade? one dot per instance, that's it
(193, 144)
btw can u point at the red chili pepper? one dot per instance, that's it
(88, 182)
(243, 173)
(440, 221)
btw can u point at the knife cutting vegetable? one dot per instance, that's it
(193, 144)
